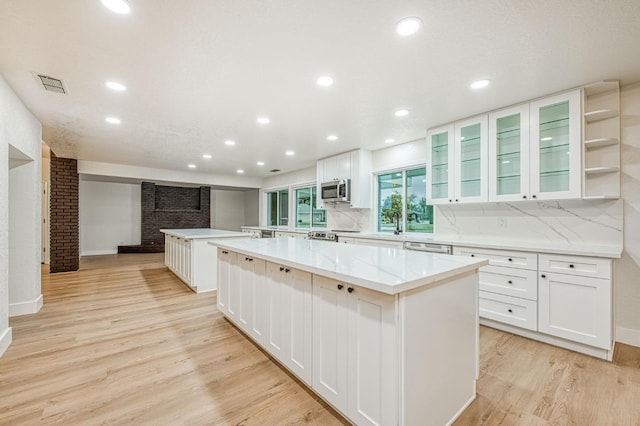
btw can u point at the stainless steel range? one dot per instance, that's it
(323, 235)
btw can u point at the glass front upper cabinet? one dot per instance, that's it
(555, 147)
(509, 154)
(471, 144)
(440, 165)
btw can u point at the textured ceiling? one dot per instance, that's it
(200, 72)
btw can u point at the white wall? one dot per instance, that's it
(109, 216)
(400, 156)
(227, 209)
(19, 128)
(627, 269)
(252, 207)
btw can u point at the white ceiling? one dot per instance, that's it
(200, 72)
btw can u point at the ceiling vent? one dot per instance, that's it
(52, 84)
(274, 170)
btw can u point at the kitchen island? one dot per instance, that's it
(188, 255)
(385, 336)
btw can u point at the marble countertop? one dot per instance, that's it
(580, 249)
(387, 270)
(200, 233)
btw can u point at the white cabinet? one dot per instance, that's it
(575, 299)
(353, 165)
(509, 154)
(252, 289)
(457, 162)
(301, 235)
(555, 147)
(178, 257)
(227, 262)
(288, 324)
(378, 242)
(354, 364)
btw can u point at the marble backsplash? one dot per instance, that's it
(567, 223)
(341, 216)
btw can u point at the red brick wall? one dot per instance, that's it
(64, 222)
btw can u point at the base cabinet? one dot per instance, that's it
(227, 262)
(354, 364)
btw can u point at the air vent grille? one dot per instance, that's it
(274, 170)
(52, 84)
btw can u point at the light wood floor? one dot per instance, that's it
(123, 341)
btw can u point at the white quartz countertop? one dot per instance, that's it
(200, 233)
(387, 270)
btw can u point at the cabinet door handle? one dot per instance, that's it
(225, 252)
(524, 196)
(510, 260)
(533, 196)
(571, 266)
(287, 269)
(456, 200)
(340, 286)
(510, 310)
(350, 289)
(510, 282)
(250, 259)
(281, 268)
(543, 276)
(473, 255)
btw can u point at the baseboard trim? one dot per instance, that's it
(5, 340)
(628, 336)
(26, 308)
(98, 252)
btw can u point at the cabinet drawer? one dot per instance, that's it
(515, 259)
(576, 265)
(509, 281)
(510, 310)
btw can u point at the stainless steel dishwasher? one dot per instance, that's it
(429, 247)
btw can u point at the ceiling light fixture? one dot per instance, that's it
(112, 120)
(290, 153)
(240, 171)
(118, 6)
(324, 81)
(264, 120)
(408, 26)
(114, 85)
(191, 166)
(389, 140)
(401, 112)
(480, 84)
(230, 143)
(332, 138)
(260, 163)
(206, 156)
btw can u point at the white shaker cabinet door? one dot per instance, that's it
(225, 259)
(298, 305)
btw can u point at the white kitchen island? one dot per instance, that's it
(188, 255)
(386, 336)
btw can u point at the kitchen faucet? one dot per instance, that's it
(396, 216)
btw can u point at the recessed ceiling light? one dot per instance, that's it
(191, 166)
(264, 120)
(260, 163)
(118, 6)
(548, 138)
(332, 138)
(112, 120)
(290, 153)
(389, 140)
(480, 84)
(401, 112)
(230, 143)
(324, 81)
(240, 171)
(114, 85)
(206, 156)
(408, 26)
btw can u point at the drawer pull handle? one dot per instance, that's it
(225, 252)
(534, 196)
(510, 260)
(571, 266)
(350, 289)
(510, 282)
(473, 255)
(524, 196)
(543, 276)
(281, 268)
(340, 286)
(510, 310)
(287, 269)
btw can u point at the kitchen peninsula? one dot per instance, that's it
(386, 336)
(189, 256)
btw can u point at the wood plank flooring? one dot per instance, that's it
(123, 341)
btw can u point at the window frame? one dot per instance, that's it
(294, 199)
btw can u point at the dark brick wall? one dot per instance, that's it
(165, 207)
(64, 221)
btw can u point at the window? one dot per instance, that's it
(278, 208)
(402, 197)
(307, 215)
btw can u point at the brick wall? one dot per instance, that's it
(166, 207)
(64, 222)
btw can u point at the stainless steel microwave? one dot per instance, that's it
(336, 191)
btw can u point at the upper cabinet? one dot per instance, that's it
(457, 162)
(509, 154)
(353, 165)
(555, 147)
